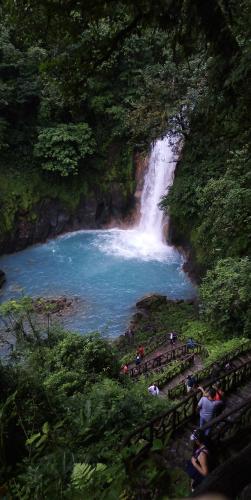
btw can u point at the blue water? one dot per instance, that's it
(107, 270)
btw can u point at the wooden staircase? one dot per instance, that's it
(153, 362)
(175, 425)
(179, 448)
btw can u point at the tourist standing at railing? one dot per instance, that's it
(138, 359)
(191, 383)
(153, 390)
(208, 406)
(219, 396)
(141, 351)
(198, 467)
(191, 344)
(172, 338)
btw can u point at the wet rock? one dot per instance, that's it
(50, 217)
(85, 215)
(55, 305)
(136, 319)
(151, 301)
(2, 278)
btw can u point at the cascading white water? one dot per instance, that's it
(158, 179)
(108, 270)
(146, 240)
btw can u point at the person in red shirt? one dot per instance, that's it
(219, 392)
(141, 351)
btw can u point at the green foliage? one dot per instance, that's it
(83, 477)
(58, 395)
(218, 350)
(82, 88)
(201, 332)
(167, 373)
(90, 353)
(152, 330)
(225, 210)
(19, 94)
(62, 148)
(225, 295)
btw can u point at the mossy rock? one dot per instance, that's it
(151, 302)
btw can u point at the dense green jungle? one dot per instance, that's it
(85, 88)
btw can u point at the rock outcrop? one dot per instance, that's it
(50, 217)
(151, 301)
(57, 306)
(2, 278)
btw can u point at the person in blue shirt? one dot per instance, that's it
(208, 406)
(191, 344)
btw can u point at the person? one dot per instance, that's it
(125, 368)
(219, 392)
(141, 351)
(138, 359)
(207, 406)
(228, 366)
(153, 389)
(191, 344)
(198, 467)
(190, 383)
(172, 341)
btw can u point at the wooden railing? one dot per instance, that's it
(207, 373)
(150, 343)
(166, 375)
(163, 359)
(224, 427)
(232, 476)
(169, 422)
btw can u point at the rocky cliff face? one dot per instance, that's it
(2, 278)
(50, 217)
(191, 265)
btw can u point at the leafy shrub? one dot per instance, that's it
(90, 354)
(200, 331)
(226, 295)
(173, 369)
(218, 350)
(62, 148)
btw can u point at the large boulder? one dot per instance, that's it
(151, 301)
(2, 278)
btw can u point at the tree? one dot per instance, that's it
(225, 295)
(63, 148)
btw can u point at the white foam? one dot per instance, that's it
(157, 182)
(147, 241)
(134, 244)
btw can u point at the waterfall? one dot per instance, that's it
(158, 179)
(146, 240)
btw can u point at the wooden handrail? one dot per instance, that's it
(179, 389)
(176, 417)
(214, 423)
(229, 478)
(163, 359)
(184, 363)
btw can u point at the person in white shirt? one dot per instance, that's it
(153, 389)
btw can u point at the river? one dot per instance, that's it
(107, 270)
